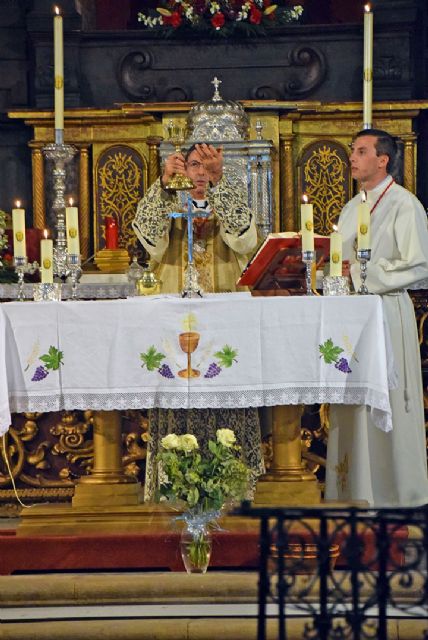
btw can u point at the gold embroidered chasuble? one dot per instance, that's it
(223, 243)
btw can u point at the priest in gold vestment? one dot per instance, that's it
(223, 242)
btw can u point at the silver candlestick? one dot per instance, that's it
(363, 256)
(60, 154)
(308, 258)
(22, 266)
(73, 264)
(191, 288)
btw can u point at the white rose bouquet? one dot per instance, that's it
(203, 484)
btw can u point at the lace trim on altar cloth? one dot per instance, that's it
(377, 401)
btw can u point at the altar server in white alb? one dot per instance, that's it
(363, 462)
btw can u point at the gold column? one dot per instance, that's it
(287, 183)
(39, 216)
(153, 143)
(84, 202)
(288, 482)
(409, 162)
(107, 484)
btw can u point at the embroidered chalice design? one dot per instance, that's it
(188, 342)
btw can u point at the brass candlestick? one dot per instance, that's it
(178, 182)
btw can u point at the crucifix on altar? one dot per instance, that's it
(191, 284)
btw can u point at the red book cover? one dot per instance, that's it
(278, 262)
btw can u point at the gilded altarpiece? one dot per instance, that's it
(118, 157)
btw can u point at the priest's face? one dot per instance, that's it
(198, 174)
(366, 166)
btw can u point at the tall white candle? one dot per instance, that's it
(46, 259)
(58, 70)
(18, 226)
(307, 225)
(363, 212)
(335, 253)
(72, 226)
(368, 67)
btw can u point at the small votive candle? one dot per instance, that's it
(72, 226)
(46, 259)
(363, 213)
(335, 253)
(18, 225)
(112, 233)
(307, 225)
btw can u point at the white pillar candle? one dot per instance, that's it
(18, 226)
(58, 70)
(46, 259)
(368, 67)
(363, 212)
(307, 225)
(335, 253)
(72, 226)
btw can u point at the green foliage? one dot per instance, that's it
(203, 483)
(52, 359)
(152, 358)
(227, 356)
(329, 351)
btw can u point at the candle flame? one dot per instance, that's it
(45, 233)
(305, 198)
(367, 8)
(70, 200)
(18, 204)
(363, 195)
(57, 11)
(335, 227)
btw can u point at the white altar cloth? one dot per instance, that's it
(116, 354)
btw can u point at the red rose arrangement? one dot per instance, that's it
(219, 17)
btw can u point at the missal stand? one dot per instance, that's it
(277, 269)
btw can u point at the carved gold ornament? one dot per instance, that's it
(325, 184)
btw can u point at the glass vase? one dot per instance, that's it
(195, 547)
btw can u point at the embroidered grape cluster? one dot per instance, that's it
(212, 371)
(39, 374)
(165, 371)
(343, 365)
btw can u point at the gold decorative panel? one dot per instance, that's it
(324, 176)
(119, 185)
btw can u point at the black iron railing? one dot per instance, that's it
(345, 571)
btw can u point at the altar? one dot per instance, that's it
(130, 354)
(226, 350)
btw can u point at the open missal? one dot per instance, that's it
(277, 267)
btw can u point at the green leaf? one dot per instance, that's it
(329, 351)
(227, 356)
(152, 358)
(52, 359)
